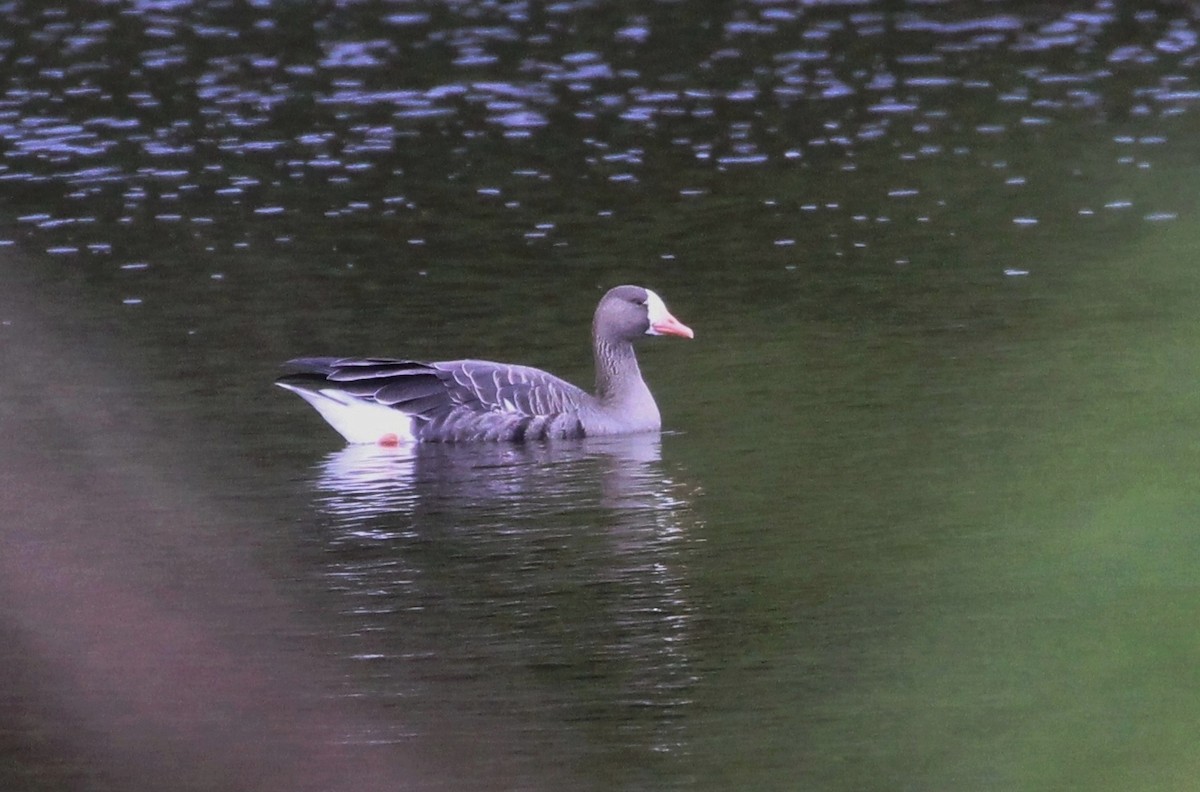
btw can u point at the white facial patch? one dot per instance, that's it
(657, 311)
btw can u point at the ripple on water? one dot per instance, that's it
(764, 90)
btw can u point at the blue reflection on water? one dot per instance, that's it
(185, 80)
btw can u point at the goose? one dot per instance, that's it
(392, 401)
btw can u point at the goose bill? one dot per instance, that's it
(669, 325)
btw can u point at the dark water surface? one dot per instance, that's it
(924, 516)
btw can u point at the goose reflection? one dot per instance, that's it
(563, 565)
(360, 482)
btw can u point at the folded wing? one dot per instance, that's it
(451, 401)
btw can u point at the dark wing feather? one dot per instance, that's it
(415, 388)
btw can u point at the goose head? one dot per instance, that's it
(626, 313)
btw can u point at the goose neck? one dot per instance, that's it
(617, 372)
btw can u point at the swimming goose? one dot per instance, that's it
(389, 401)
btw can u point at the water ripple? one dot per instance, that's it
(136, 104)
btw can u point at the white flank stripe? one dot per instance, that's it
(357, 420)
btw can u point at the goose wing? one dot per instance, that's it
(418, 389)
(452, 401)
(507, 388)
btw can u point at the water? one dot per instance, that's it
(923, 516)
(572, 569)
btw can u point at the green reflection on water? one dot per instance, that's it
(960, 554)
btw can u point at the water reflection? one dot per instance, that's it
(231, 124)
(559, 561)
(363, 481)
